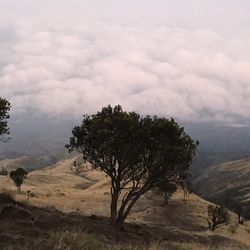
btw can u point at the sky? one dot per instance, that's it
(186, 59)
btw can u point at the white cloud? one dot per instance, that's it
(196, 74)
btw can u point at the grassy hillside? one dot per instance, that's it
(225, 182)
(27, 162)
(63, 203)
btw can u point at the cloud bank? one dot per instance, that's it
(62, 69)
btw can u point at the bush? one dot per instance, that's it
(4, 171)
(217, 216)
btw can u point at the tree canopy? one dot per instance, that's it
(167, 189)
(18, 176)
(135, 152)
(4, 115)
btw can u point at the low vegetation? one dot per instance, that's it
(82, 240)
(217, 215)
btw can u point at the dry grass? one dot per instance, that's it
(66, 240)
(80, 240)
(180, 225)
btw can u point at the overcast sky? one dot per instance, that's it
(189, 59)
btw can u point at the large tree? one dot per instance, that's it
(4, 115)
(135, 152)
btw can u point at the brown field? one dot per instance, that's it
(64, 201)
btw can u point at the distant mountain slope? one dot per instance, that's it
(27, 162)
(225, 182)
(9, 155)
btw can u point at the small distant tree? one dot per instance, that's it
(18, 176)
(217, 216)
(242, 211)
(4, 116)
(186, 186)
(4, 171)
(134, 151)
(167, 189)
(30, 194)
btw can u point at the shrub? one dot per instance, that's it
(4, 171)
(217, 215)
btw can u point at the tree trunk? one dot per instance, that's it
(120, 223)
(18, 189)
(113, 206)
(239, 220)
(120, 220)
(184, 194)
(165, 199)
(213, 224)
(126, 207)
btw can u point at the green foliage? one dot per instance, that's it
(135, 152)
(217, 215)
(18, 176)
(167, 189)
(4, 115)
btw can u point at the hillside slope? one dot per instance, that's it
(226, 182)
(182, 221)
(27, 162)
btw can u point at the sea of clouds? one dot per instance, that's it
(72, 68)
